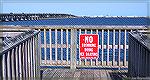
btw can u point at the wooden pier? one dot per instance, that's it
(30, 49)
(84, 74)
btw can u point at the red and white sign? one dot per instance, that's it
(88, 46)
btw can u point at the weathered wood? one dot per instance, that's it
(139, 56)
(1, 67)
(73, 48)
(84, 74)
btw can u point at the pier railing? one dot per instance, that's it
(19, 58)
(139, 54)
(60, 46)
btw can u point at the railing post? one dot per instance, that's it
(38, 57)
(107, 62)
(102, 47)
(124, 62)
(73, 48)
(1, 69)
(119, 48)
(113, 60)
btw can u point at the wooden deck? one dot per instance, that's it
(84, 74)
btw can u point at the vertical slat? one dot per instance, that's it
(6, 69)
(40, 46)
(22, 61)
(98, 46)
(107, 48)
(67, 45)
(25, 59)
(3, 67)
(45, 61)
(10, 59)
(31, 57)
(119, 48)
(129, 58)
(113, 62)
(79, 47)
(8, 65)
(61, 45)
(16, 55)
(50, 45)
(35, 58)
(102, 46)
(56, 45)
(125, 48)
(12, 64)
(85, 59)
(91, 59)
(29, 69)
(38, 57)
(73, 48)
(19, 62)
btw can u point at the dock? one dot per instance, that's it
(84, 74)
(51, 52)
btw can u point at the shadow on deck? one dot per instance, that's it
(84, 74)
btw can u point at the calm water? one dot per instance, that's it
(85, 21)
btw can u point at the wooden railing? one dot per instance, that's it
(139, 55)
(60, 46)
(19, 58)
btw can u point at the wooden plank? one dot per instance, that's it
(8, 65)
(85, 61)
(79, 46)
(73, 48)
(90, 74)
(33, 57)
(56, 46)
(16, 56)
(124, 48)
(97, 75)
(107, 48)
(98, 48)
(57, 74)
(102, 47)
(23, 60)
(113, 61)
(45, 62)
(12, 64)
(67, 46)
(26, 59)
(108, 75)
(103, 75)
(50, 74)
(83, 75)
(67, 74)
(4, 67)
(77, 75)
(50, 45)
(91, 59)
(119, 48)
(61, 47)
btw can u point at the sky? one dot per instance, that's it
(78, 7)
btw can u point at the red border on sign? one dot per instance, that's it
(89, 57)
